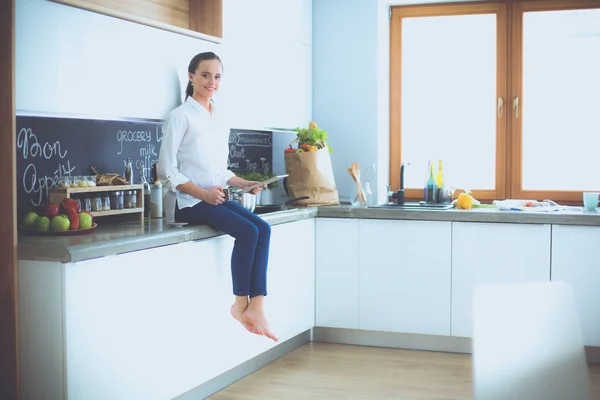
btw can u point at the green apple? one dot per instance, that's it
(43, 224)
(30, 220)
(85, 220)
(60, 223)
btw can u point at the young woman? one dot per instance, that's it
(193, 163)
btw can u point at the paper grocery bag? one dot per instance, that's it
(311, 174)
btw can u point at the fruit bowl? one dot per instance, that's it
(70, 232)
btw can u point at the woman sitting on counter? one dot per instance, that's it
(193, 162)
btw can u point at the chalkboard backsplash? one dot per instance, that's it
(251, 151)
(49, 147)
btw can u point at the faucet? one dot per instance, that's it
(399, 195)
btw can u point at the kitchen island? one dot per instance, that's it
(141, 310)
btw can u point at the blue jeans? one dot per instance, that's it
(252, 238)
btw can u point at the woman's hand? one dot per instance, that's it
(255, 190)
(214, 196)
(240, 183)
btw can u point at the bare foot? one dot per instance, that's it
(237, 312)
(257, 319)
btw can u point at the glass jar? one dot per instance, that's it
(63, 182)
(77, 198)
(86, 202)
(73, 182)
(105, 202)
(127, 199)
(82, 182)
(134, 202)
(91, 180)
(96, 202)
(116, 200)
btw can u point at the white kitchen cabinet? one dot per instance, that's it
(337, 273)
(576, 261)
(405, 276)
(494, 253)
(154, 324)
(291, 278)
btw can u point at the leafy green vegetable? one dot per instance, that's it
(315, 137)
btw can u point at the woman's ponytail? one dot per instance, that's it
(189, 90)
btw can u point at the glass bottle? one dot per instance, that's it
(431, 189)
(156, 210)
(439, 176)
(145, 191)
(443, 196)
(128, 172)
(368, 193)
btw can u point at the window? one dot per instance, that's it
(511, 112)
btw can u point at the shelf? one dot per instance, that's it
(201, 19)
(112, 188)
(58, 194)
(117, 212)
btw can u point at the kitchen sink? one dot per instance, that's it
(414, 206)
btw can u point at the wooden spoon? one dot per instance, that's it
(356, 173)
(350, 171)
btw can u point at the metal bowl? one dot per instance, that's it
(246, 200)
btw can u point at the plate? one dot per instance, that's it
(70, 232)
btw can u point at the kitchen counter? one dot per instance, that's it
(475, 215)
(133, 236)
(129, 236)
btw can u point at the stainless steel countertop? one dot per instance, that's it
(475, 215)
(134, 236)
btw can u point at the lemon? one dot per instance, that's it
(465, 201)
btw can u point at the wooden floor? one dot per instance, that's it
(334, 371)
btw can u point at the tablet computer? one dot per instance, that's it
(265, 182)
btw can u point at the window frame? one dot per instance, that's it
(516, 130)
(401, 12)
(509, 147)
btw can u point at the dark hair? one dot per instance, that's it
(209, 55)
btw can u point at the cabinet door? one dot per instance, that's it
(337, 273)
(405, 276)
(576, 261)
(161, 316)
(290, 304)
(494, 253)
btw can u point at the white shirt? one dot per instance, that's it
(194, 148)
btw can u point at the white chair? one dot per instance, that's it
(527, 343)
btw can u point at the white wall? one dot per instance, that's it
(345, 83)
(351, 83)
(78, 62)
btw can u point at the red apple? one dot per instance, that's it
(69, 203)
(50, 210)
(73, 217)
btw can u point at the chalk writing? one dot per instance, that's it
(234, 152)
(132, 136)
(254, 139)
(250, 151)
(28, 142)
(37, 187)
